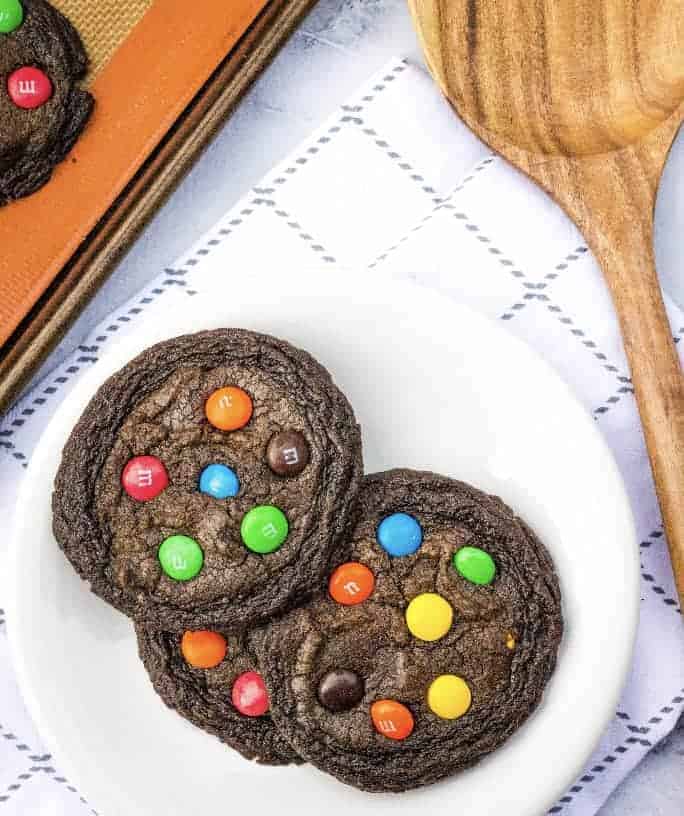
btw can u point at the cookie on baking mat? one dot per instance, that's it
(210, 678)
(212, 481)
(432, 645)
(42, 108)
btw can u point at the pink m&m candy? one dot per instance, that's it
(29, 87)
(144, 478)
(249, 695)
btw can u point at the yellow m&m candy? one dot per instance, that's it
(449, 696)
(429, 616)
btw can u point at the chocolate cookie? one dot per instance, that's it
(42, 109)
(212, 481)
(433, 644)
(209, 678)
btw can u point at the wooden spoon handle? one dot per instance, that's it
(611, 198)
(657, 377)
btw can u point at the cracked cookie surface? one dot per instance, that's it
(34, 141)
(156, 407)
(203, 695)
(493, 657)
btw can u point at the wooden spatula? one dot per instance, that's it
(586, 97)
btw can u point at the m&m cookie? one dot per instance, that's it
(210, 678)
(43, 109)
(212, 481)
(428, 647)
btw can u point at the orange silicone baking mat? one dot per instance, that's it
(103, 26)
(150, 59)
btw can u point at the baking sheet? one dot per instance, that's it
(60, 244)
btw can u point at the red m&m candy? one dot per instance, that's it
(249, 695)
(29, 87)
(144, 478)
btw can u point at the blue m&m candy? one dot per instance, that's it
(399, 534)
(219, 481)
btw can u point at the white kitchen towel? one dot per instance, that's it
(381, 186)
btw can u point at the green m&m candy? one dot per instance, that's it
(181, 557)
(264, 529)
(11, 16)
(475, 565)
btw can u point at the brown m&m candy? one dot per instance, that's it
(288, 453)
(340, 690)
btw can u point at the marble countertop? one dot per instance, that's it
(338, 46)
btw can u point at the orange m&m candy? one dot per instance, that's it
(392, 719)
(229, 408)
(203, 649)
(352, 583)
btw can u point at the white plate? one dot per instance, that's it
(434, 386)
